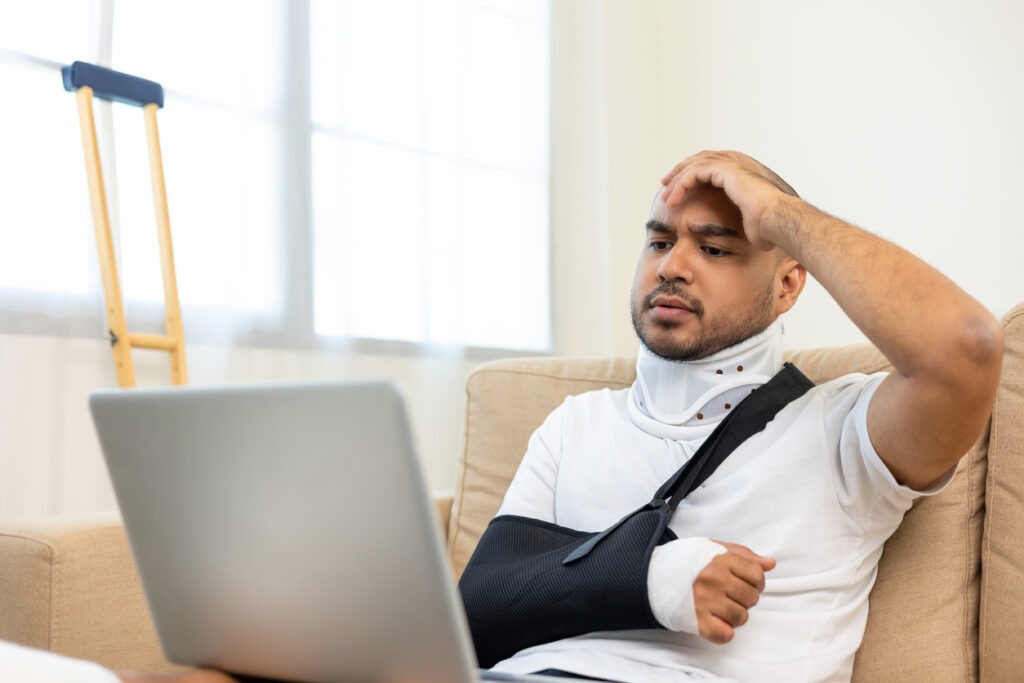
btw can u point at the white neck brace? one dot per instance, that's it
(683, 400)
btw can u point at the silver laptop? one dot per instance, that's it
(284, 531)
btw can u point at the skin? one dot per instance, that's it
(946, 349)
(700, 285)
(192, 676)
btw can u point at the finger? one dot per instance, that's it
(672, 182)
(713, 588)
(667, 178)
(682, 183)
(719, 586)
(714, 629)
(678, 168)
(706, 170)
(743, 593)
(748, 572)
(766, 563)
(733, 614)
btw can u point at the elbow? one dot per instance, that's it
(973, 360)
(966, 357)
(979, 341)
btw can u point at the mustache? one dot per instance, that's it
(673, 288)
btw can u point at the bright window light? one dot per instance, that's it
(431, 173)
(335, 169)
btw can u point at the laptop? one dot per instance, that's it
(285, 532)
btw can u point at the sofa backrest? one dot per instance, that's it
(924, 615)
(1002, 550)
(506, 400)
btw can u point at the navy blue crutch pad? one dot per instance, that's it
(111, 85)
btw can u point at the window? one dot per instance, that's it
(42, 229)
(369, 169)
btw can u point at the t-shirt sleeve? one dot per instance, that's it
(28, 665)
(532, 491)
(867, 490)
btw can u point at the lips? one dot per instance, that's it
(667, 301)
(668, 304)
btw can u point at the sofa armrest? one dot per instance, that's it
(443, 506)
(68, 584)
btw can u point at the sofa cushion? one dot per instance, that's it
(68, 584)
(1002, 553)
(923, 619)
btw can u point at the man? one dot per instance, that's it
(776, 553)
(28, 665)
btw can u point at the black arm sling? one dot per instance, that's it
(530, 582)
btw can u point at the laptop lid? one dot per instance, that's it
(285, 531)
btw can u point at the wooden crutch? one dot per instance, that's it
(88, 81)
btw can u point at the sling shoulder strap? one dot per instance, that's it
(749, 417)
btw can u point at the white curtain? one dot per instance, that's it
(355, 187)
(362, 169)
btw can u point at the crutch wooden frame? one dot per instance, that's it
(88, 81)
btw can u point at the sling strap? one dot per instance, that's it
(530, 582)
(747, 419)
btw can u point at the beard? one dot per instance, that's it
(729, 330)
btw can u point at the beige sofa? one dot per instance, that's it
(946, 607)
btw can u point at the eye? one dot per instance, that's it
(660, 245)
(714, 252)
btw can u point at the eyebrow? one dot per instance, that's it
(709, 229)
(658, 226)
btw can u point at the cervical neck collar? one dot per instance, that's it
(683, 400)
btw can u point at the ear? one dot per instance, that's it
(790, 278)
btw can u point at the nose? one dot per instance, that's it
(676, 263)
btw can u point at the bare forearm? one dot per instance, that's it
(945, 347)
(919, 318)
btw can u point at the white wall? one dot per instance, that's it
(901, 117)
(49, 456)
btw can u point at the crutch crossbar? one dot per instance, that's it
(159, 342)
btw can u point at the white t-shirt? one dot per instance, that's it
(809, 491)
(26, 665)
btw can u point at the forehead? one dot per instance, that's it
(702, 205)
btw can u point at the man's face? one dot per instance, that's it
(700, 286)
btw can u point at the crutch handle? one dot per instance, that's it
(111, 85)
